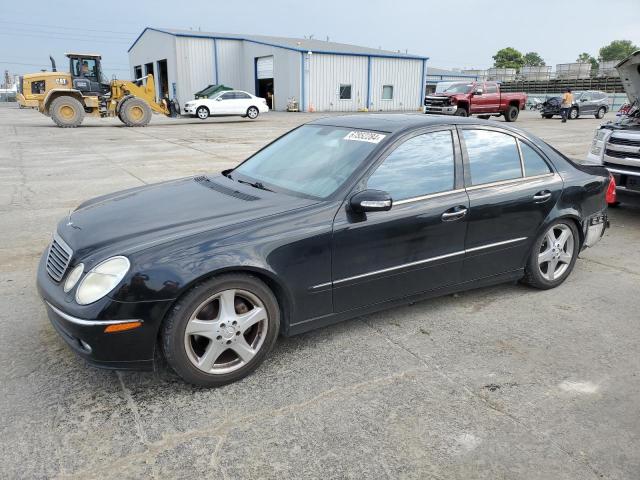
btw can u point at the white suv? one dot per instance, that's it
(230, 102)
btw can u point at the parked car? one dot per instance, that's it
(476, 98)
(340, 217)
(584, 103)
(231, 102)
(534, 103)
(616, 145)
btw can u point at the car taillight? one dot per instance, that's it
(611, 196)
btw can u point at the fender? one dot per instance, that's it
(55, 92)
(121, 102)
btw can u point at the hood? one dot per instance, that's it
(138, 218)
(629, 71)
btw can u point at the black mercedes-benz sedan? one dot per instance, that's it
(339, 217)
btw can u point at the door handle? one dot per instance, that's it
(455, 213)
(542, 196)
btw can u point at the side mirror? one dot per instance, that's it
(218, 99)
(478, 92)
(371, 201)
(583, 99)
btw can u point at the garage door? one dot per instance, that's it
(264, 67)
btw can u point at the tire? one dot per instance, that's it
(547, 116)
(461, 112)
(511, 115)
(573, 113)
(536, 274)
(66, 111)
(252, 113)
(135, 112)
(206, 360)
(601, 113)
(202, 112)
(484, 117)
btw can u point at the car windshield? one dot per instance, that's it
(313, 160)
(459, 88)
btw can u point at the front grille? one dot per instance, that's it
(616, 154)
(436, 102)
(58, 258)
(624, 141)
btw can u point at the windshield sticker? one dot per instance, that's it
(371, 137)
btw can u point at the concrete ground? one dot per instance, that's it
(502, 382)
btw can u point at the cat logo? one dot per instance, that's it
(61, 81)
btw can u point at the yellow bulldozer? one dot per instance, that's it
(68, 97)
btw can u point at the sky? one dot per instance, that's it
(453, 34)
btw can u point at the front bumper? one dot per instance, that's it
(441, 110)
(83, 327)
(190, 110)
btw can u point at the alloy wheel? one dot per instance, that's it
(556, 252)
(226, 331)
(202, 113)
(252, 112)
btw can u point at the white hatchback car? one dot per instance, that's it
(230, 102)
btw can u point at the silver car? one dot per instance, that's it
(590, 102)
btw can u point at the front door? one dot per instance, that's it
(511, 191)
(416, 246)
(223, 104)
(491, 97)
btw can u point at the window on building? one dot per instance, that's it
(493, 156)
(387, 92)
(420, 166)
(533, 163)
(137, 72)
(345, 92)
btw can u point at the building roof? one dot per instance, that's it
(296, 44)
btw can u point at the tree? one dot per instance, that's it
(532, 59)
(508, 58)
(617, 50)
(586, 58)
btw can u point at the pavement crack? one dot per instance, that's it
(613, 267)
(134, 410)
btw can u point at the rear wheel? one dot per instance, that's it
(221, 330)
(601, 112)
(135, 112)
(511, 115)
(66, 111)
(253, 112)
(573, 113)
(553, 256)
(202, 112)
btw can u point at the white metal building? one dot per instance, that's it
(321, 76)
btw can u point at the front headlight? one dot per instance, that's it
(73, 277)
(101, 279)
(601, 134)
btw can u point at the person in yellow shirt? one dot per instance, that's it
(567, 101)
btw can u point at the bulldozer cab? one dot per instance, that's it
(86, 74)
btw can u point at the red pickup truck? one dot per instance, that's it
(476, 98)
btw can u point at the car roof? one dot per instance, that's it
(396, 122)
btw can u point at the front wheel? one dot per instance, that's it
(553, 256)
(601, 112)
(202, 113)
(511, 115)
(573, 113)
(221, 330)
(252, 113)
(461, 112)
(547, 116)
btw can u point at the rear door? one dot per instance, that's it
(243, 102)
(416, 246)
(491, 97)
(512, 189)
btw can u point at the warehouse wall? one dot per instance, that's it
(327, 72)
(231, 63)
(195, 66)
(151, 47)
(406, 78)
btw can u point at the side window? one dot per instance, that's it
(420, 166)
(228, 96)
(533, 163)
(37, 87)
(345, 92)
(586, 96)
(492, 88)
(387, 92)
(493, 156)
(242, 95)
